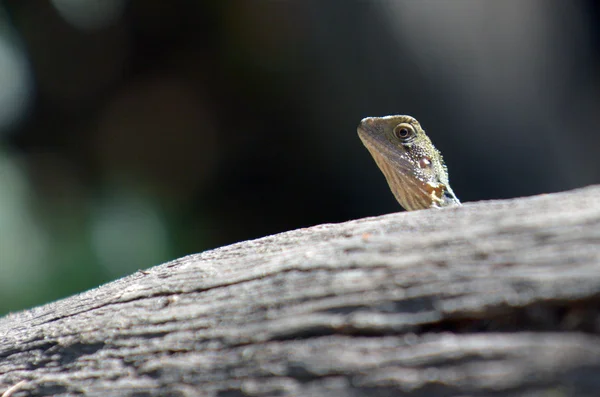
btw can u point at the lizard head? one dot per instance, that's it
(413, 167)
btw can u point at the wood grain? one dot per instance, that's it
(494, 298)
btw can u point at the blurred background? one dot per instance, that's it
(135, 132)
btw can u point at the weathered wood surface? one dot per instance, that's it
(490, 299)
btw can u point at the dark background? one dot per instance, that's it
(135, 132)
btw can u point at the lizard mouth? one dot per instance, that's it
(410, 191)
(367, 128)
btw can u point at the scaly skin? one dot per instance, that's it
(413, 167)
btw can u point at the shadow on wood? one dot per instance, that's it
(493, 298)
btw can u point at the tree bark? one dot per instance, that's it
(496, 298)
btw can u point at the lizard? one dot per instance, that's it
(413, 167)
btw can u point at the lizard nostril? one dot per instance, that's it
(367, 121)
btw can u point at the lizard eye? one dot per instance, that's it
(403, 131)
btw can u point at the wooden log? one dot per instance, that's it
(493, 298)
